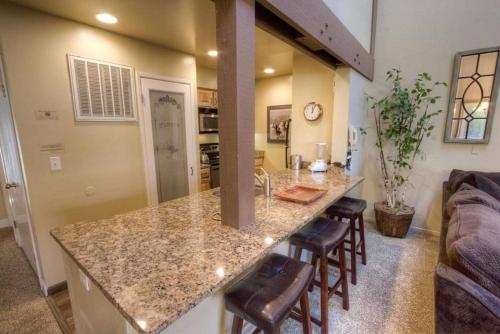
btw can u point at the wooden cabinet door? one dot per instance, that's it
(206, 98)
(215, 100)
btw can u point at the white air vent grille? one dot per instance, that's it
(102, 91)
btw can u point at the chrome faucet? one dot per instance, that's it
(265, 181)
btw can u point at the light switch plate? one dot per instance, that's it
(55, 163)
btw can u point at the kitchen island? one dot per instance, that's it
(144, 271)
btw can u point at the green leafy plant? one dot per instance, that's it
(403, 119)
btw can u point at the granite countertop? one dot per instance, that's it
(157, 263)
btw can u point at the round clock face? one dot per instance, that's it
(312, 111)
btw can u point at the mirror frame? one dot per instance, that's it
(453, 92)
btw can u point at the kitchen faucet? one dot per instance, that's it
(265, 181)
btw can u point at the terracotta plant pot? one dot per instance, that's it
(391, 223)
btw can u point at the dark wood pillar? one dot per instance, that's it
(236, 92)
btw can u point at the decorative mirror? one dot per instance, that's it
(472, 96)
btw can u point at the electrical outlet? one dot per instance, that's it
(55, 163)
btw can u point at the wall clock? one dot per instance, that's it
(313, 111)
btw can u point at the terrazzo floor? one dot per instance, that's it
(23, 308)
(395, 290)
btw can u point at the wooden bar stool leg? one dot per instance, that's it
(343, 277)
(298, 252)
(314, 260)
(314, 263)
(306, 313)
(237, 325)
(324, 293)
(352, 222)
(362, 237)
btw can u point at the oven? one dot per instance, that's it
(209, 120)
(212, 151)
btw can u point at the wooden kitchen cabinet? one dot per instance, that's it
(205, 177)
(207, 98)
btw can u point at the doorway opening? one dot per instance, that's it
(12, 180)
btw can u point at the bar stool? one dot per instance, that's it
(267, 295)
(321, 237)
(351, 209)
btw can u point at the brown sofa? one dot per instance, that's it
(467, 279)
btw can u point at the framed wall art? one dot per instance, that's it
(277, 122)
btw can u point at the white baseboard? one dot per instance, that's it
(4, 223)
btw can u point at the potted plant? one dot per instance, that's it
(403, 119)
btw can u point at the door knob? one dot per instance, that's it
(10, 185)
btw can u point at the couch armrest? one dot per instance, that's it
(445, 219)
(463, 306)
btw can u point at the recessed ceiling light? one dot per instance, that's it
(213, 53)
(106, 18)
(269, 70)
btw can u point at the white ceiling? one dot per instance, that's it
(183, 25)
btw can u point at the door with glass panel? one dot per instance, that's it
(170, 139)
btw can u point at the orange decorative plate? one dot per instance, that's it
(301, 194)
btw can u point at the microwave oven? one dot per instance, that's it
(209, 120)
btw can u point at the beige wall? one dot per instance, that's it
(340, 115)
(421, 36)
(3, 212)
(312, 82)
(107, 156)
(270, 92)
(206, 77)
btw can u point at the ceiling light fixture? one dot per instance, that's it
(106, 18)
(213, 53)
(269, 70)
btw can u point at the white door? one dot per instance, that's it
(169, 129)
(12, 177)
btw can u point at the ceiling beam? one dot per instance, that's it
(267, 21)
(313, 26)
(235, 30)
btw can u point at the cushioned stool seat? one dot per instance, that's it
(347, 207)
(320, 236)
(266, 296)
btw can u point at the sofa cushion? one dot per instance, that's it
(488, 186)
(468, 194)
(473, 246)
(457, 177)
